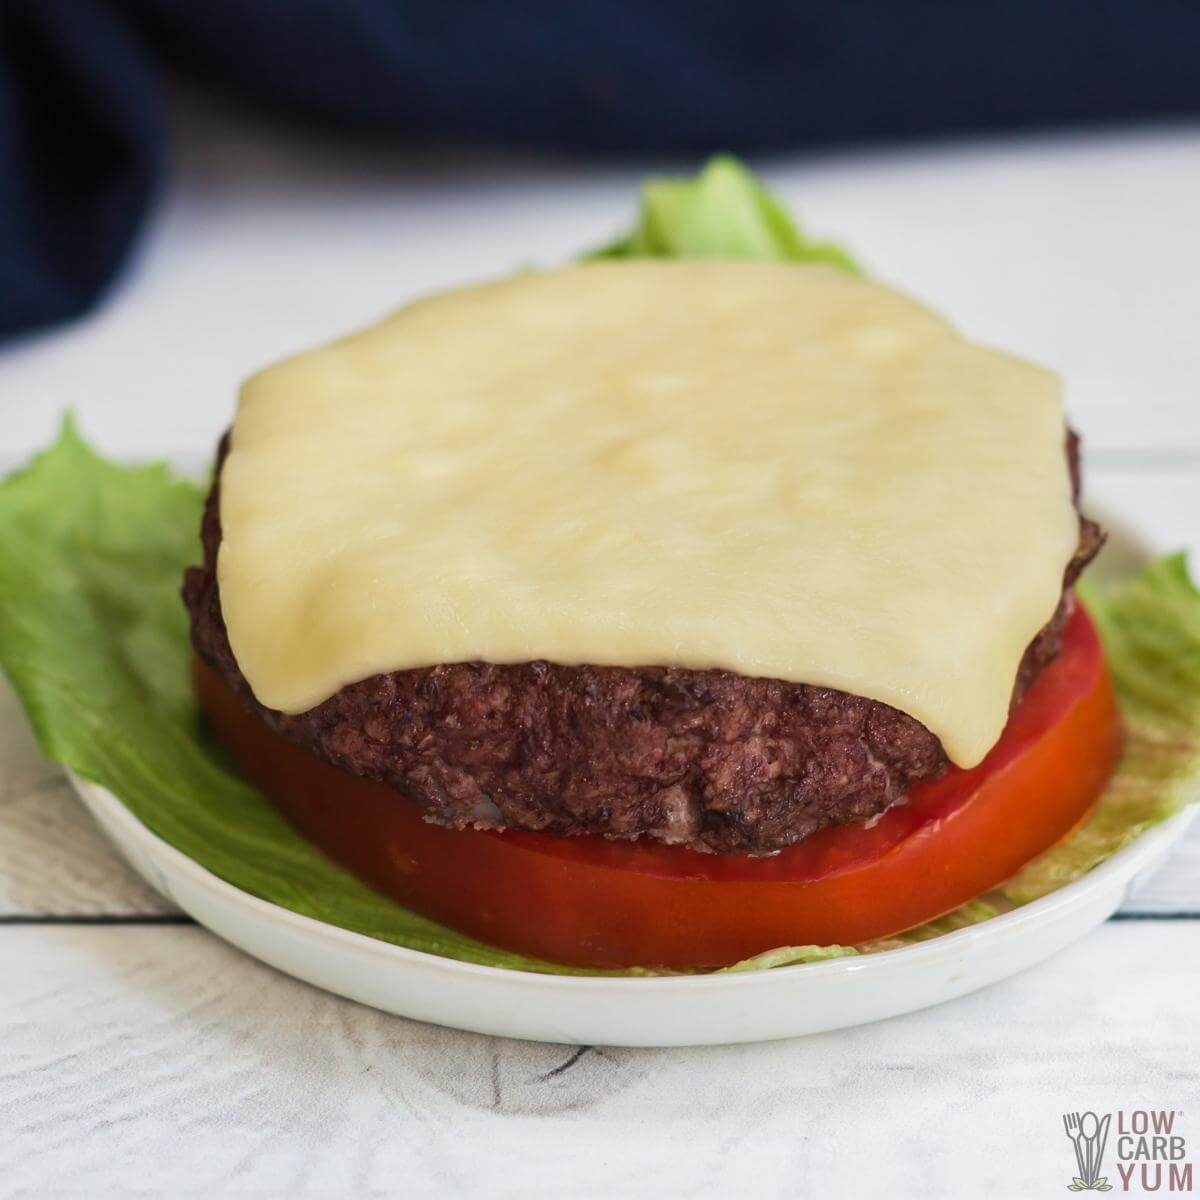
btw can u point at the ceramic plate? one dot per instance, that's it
(669, 1011)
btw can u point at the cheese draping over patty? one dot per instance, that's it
(783, 471)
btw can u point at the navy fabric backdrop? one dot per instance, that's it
(82, 136)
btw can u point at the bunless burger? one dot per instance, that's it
(658, 614)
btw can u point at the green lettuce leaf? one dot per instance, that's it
(724, 212)
(1150, 626)
(94, 638)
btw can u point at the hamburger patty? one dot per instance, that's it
(709, 758)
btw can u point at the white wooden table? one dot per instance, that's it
(139, 1055)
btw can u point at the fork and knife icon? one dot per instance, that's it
(1089, 1134)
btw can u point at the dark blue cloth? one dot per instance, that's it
(82, 141)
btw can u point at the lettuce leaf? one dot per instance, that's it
(724, 212)
(94, 638)
(1150, 626)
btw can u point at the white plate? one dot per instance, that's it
(672, 1011)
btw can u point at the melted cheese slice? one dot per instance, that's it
(783, 471)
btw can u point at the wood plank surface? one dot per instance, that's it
(160, 1062)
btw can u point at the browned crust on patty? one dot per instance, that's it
(712, 759)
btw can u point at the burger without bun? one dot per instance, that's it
(658, 614)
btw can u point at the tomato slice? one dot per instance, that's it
(590, 901)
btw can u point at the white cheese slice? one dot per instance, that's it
(783, 471)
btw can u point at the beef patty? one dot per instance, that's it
(711, 759)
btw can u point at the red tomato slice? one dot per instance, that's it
(589, 901)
